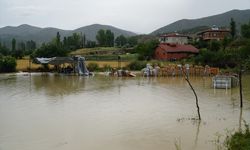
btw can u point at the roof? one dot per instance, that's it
(61, 60)
(42, 60)
(57, 60)
(211, 30)
(171, 48)
(173, 35)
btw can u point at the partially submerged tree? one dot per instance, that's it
(196, 97)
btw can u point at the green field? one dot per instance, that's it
(85, 51)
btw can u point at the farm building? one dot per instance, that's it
(174, 47)
(167, 51)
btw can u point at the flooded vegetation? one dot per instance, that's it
(48, 112)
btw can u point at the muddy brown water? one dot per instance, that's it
(48, 112)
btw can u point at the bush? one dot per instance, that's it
(137, 65)
(7, 64)
(239, 140)
(215, 59)
(106, 67)
(93, 67)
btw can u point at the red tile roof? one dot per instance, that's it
(171, 48)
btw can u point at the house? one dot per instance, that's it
(174, 38)
(167, 51)
(213, 34)
(174, 47)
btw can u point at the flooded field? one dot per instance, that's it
(48, 112)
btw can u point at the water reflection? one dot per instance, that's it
(61, 85)
(58, 85)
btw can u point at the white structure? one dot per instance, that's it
(174, 38)
(224, 82)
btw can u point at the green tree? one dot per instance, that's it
(90, 44)
(101, 37)
(214, 45)
(30, 45)
(84, 40)
(245, 30)
(120, 41)
(65, 42)
(52, 49)
(105, 38)
(146, 50)
(19, 52)
(233, 28)
(72, 42)
(21, 46)
(132, 41)
(58, 39)
(13, 43)
(225, 42)
(109, 38)
(7, 64)
(4, 50)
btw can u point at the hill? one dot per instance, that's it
(27, 32)
(91, 30)
(220, 20)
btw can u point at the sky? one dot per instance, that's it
(139, 16)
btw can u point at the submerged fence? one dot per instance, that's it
(177, 70)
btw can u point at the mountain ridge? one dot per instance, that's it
(220, 20)
(25, 32)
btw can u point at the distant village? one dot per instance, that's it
(175, 46)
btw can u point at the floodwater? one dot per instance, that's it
(48, 112)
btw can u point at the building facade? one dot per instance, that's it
(166, 51)
(174, 47)
(174, 38)
(214, 34)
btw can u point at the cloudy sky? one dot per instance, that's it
(140, 16)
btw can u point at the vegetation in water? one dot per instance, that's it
(7, 64)
(93, 67)
(239, 140)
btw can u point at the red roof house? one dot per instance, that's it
(168, 51)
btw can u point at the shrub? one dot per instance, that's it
(137, 65)
(93, 67)
(107, 67)
(239, 140)
(7, 64)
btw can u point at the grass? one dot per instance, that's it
(125, 57)
(95, 49)
(23, 64)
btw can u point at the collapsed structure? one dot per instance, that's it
(76, 64)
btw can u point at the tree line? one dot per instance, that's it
(18, 49)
